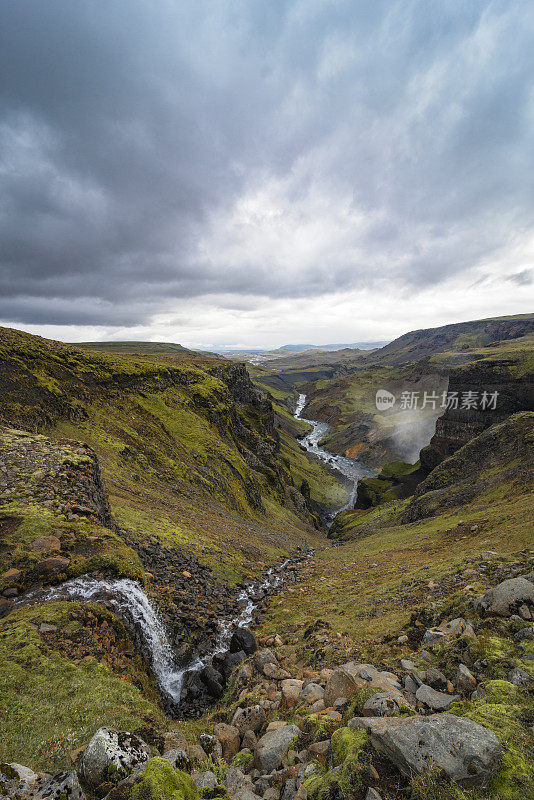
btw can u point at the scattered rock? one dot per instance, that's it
(228, 735)
(351, 677)
(273, 746)
(467, 752)
(45, 544)
(380, 705)
(61, 786)
(110, 755)
(291, 689)
(205, 780)
(243, 639)
(505, 598)
(437, 701)
(251, 718)
(311, 693)
(518, 677)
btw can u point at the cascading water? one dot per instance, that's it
(348, 467)
(126, 598)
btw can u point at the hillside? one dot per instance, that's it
(459, 338)
(175, 476)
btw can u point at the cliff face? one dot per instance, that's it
(512, 382)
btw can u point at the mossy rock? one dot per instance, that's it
(347, 743)
(159, 781)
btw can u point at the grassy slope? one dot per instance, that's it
(164, 432)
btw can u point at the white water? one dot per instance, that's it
(124, 596)
(348, 467)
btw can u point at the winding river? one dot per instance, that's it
(351, 469)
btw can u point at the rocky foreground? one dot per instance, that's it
(356, 731)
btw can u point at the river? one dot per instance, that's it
(351, 469)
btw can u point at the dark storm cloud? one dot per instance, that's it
(157, 151)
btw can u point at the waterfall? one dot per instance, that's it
(126, 598)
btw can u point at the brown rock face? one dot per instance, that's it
(45, 544)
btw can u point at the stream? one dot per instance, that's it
(128, 600)
(351, 469)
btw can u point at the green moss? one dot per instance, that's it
(346, 743)
(159, 781)
(501, 711)
(243, 761)
(320, 786)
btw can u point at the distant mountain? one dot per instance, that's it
(460, 337)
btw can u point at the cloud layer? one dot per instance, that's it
(160, 158)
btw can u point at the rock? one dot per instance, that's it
(505, 598)
(206, 780)
(45, 544)
(211, 745)
(317, 707)
(409, 666)
(44, 627)
(291, 689)
(435, 679)
(51, 567)
(529, 576)
(271, 794)
(213, 680)
(195, 753)
(273, 746)
(446, 630)
(249, 740)
(372, 795)
(320, 750)
(467, 752)
(275, 725)
(518, 677)
(244, 673)
(110, 755)
(12, 574)
(464, 681)
(311, 693)
(380, 705)
(243, 639)
(351, 677)
(411, 683)
(437, 701)
(238, 785)
(61, 786)
(174, 740)
(178, 759)
(524, 634)
(263, 657)
(275, 672)
(249, 718)
(228, 735)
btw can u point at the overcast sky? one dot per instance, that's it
(259, 172)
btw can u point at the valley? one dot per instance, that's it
(221, 579)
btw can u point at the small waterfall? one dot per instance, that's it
(126, 598)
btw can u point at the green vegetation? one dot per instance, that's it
(52, 704)
(159, 781)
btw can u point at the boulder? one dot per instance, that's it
(174, 740)
(464, 681)
(372, 794)
(351, 677)
(228, 735)
(437, 701)
(211, 745)
(446, 630)
(178, 759)
(291, 689)
(311, 693)
(380, 705)
(505, 598)
(61, 786)
(275, 672)
(436, 679)
(273, 746)
(239, 786)
(243, 639)
(251, 718)
(467, 752)
(264, 657)
(110, 756)
(519, 677)
(45, 544)
(206, 780)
